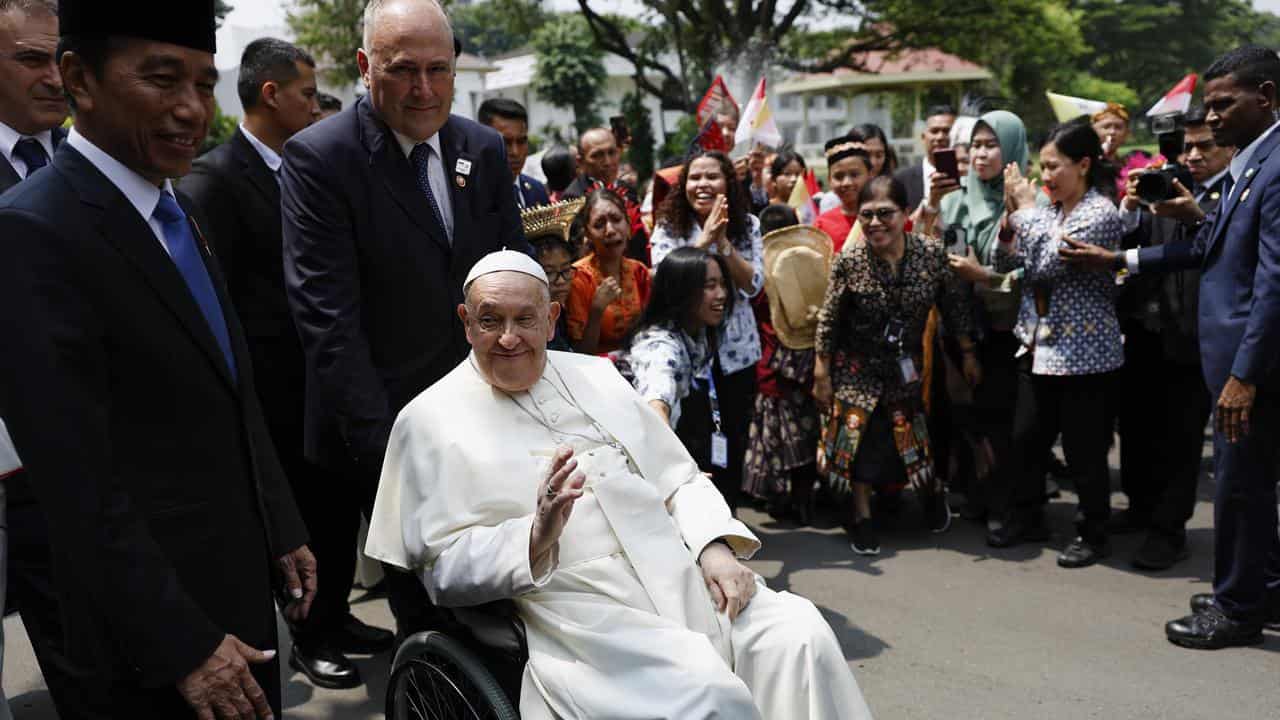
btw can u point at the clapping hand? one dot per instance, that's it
(1019, 192)
(222, 688)
(557, 492)
(716, 226)
(732, 584)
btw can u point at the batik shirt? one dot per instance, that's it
(1080, 334)
(740, 340)
(663, 360)
(864, 297)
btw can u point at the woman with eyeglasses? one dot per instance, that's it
(556, 257)
(870, 358)
(848, 170)
(609, 291)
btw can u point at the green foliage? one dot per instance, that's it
(677, 143)
(570, 69)
(221, 128)
(494, 27)
(330, 31)
(1149, 45)
(640, 154)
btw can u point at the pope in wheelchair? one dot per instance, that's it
(543, 478)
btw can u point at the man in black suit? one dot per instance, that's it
(237, 186)
(386, 207)
(511, 121)
(131, 397)
(32, 107)
(936, 136)
(1164, 404)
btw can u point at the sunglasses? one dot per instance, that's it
(884, 215)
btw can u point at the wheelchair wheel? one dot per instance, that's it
(437, 678)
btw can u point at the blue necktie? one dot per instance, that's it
(31, 153)
(182, 248)
(421, 157)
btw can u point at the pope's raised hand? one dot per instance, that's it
(557, 492)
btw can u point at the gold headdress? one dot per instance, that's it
(554, 220)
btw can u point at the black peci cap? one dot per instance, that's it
(189, 23)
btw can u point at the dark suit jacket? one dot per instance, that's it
(1167, 303)
(372, 279)
(240, 198)
(9, 176)
(912, 177)
(152, 464)
(1238, 253)
(533, 192)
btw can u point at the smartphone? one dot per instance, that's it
(944, 161)
(621, 133)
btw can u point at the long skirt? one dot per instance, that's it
(784, 426)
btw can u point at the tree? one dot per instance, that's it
(570, 69)
(1150, 44)
(640, 153)
(330, 31)
(221, 128)
(494, 27)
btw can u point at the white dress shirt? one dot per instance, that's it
(142, 195)
(9, 140)
(435, 176)
(929, 169)
(269, 156)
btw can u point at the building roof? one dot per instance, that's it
(475, 63)
(886, 70)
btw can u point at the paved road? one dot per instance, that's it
(942, 627)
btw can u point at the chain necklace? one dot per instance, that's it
(604, 435)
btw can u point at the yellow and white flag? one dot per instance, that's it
(757, 125)
(1067, 108)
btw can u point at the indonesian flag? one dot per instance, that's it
(801, 199)
(1177, 100)
(757, 125)
(712, 137)
(717, 96)
(1067, 108)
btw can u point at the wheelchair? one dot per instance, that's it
(469, 671)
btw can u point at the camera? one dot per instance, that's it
(1157, 185)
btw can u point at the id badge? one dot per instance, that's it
(908, 368)
(719, 450)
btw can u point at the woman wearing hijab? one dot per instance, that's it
(972, 220)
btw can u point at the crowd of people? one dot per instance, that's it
(228, 360)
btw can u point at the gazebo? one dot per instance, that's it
(906, 71)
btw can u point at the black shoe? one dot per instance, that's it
(1200, 602)
(1128, 521)
(357, 638)
(862, 538)
(1082, 553)
(1212, 630)
(937, 511)
(324, 666)
(1160, 552)
(1016, 531)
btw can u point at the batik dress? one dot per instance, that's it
(871, 324)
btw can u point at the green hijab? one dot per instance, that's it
(977, 207)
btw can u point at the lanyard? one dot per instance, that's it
(715, 400)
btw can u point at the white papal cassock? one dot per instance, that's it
(619, 621)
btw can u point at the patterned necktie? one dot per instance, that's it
(421, 157)
(31, 153)
(182, 248)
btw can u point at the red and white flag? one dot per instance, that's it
(716, 97)
(801, 199)
(757, 125)
(1177, 100)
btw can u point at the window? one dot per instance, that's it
(811, 135)
(834, 102)
(786, 102)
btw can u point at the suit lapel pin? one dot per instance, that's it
(1249, 173)
(462, 181)
(1215, 195)
(463, 167)
(1245, 195)
(527, 186)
